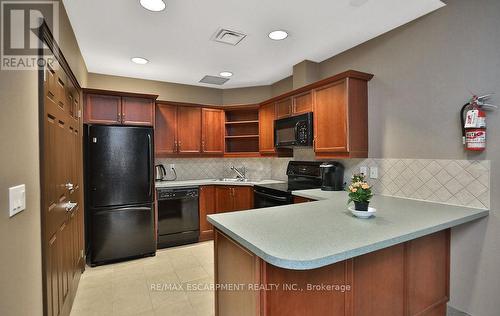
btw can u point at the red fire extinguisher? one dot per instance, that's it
(474, 123)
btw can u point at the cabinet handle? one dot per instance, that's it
(179, 145)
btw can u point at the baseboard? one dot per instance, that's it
(455, 312)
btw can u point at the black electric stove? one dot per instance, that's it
(302, 175)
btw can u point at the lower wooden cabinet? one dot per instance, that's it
(299, 199)
(221, 199)
(410, 278)
(233, 198)
(207, 207)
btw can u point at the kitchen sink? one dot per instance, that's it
(233, 180)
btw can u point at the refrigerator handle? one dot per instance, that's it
(149, 164)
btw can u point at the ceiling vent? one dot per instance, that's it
(228, 37)
(214, 80)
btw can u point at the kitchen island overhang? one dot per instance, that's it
(395, 264)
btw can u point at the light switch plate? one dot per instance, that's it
(363, 170)
(17, 199)
(373, 172)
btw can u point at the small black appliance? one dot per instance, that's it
(294, 131)
(332, 176)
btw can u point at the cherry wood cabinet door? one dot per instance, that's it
(212, 121)
(137, 111)
(165, 129)
(207, 207)
(302, 103)
(224, 199)
(188, 129)
(330, 118)
(283, 108)
(243, 198)
(267, 114)
(103, 109)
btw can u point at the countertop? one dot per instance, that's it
(315, 234)
(172, 184)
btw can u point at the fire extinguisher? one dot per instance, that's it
(474, 123)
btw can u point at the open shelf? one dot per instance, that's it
(242, 136)
(242, 122)
(242, 131)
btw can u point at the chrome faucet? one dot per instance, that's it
(241, 175)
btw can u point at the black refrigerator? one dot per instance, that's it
(119, 187)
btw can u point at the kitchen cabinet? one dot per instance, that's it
(294, 105)
(206, 207)
(341, 119)
(284, 108)
(299, 199)
(267, 116)
(165, 129)
(212, 122)
(188, 129)
(241, 131)
(108, 107)
(302, 103)
(137, 111)
(233, 198)
(102, 109)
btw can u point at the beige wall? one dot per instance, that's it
(246, 95)
(423, 74)
(167, 91)
(20, 239)
(282, 86)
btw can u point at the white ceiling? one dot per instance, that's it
(177, 41)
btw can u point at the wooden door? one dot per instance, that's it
(330, 118)
(243, 198)
(137, 111)
(224, 199)
(103, 109)
(207, 207)
(267, 114)
(284, 108)
(165, 129)
(212, 139)
(62, 211)
(302, 103)
(188, 129)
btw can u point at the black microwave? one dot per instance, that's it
(294, 131)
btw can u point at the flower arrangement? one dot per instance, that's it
(360, 192)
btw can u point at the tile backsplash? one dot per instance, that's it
(459, 182)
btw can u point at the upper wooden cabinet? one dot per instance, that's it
(137, 111)
(111, 107)
(294, 105)
(188, 129)
(102, 109)
(212, 132)
(302, 103)
(267, 115)
(341, 119)
(165, 129)
(284, 108)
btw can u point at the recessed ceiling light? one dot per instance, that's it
(226, 74)
(153, 5)
(278, 35)
(140, 60)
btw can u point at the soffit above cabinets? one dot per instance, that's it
(179, 41)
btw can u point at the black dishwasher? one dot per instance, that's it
(178, 218)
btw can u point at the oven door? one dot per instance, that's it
(294, 131)
(262, 199)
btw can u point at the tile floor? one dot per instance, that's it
(157, 285)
